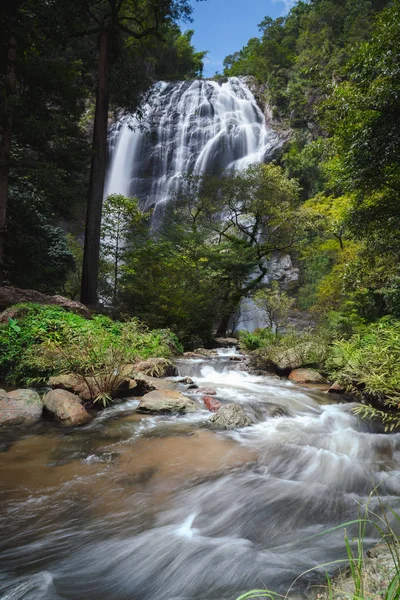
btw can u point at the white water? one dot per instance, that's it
(200, 126)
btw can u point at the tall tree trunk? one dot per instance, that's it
(90, 269)
(223, 325)
(5, 147)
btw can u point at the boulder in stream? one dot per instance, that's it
(156, 367)
(212, 404)
(231, 416)
(228, 342)
(166, 401)
(205, 352)
(206, 391)
(20, 407)
(78, 385)
(306, 376)
(186, 381)
(66, 407)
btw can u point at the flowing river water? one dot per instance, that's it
(135, 507)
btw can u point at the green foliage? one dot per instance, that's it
(368, 365)
(275, 304)
(123, 224)
(44, 340)
(301, 55)
(259, 594)
(310, 347)
(38, 253)
(331, 71)
(192, 274)
(252, 340)
(303, 349)
(52, 115)
(177, 58)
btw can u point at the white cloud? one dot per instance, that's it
(288, 4)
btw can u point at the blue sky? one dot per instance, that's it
(224, 26)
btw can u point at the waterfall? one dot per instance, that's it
(200, 126)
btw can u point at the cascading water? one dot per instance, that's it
(199, 126)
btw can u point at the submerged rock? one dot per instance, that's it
(66, 407)
(212, 404)
(156, 367)
(186, 381)
(166, 401)
(204, 352)
(306, 376)
(206, 391)
(231, 416)
(20, 407)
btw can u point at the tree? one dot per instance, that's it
(217, 236)
(275, 304)
(8, 51)
(122, 220)
(254, 214)
(113, 20)
(43, 142)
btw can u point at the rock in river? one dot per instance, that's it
(66, 407)
(156, 367)
(166, 401)
(124, 386)
(306, 376)
(226, 342)
(231, 416)
(212, 404)
(20, 407)
(206, 391)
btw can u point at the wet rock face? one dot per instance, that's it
(20, 407)
(166, 401)
(231, 416)
(11, 295)
(306, 376)
(66, 407)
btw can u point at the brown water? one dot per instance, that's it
(134, 507)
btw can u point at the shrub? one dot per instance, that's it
(368, 365)
(252, 340)
(293, 350)
(44, 340)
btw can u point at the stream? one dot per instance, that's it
(137, 507)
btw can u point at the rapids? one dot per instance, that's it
(134, 507)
